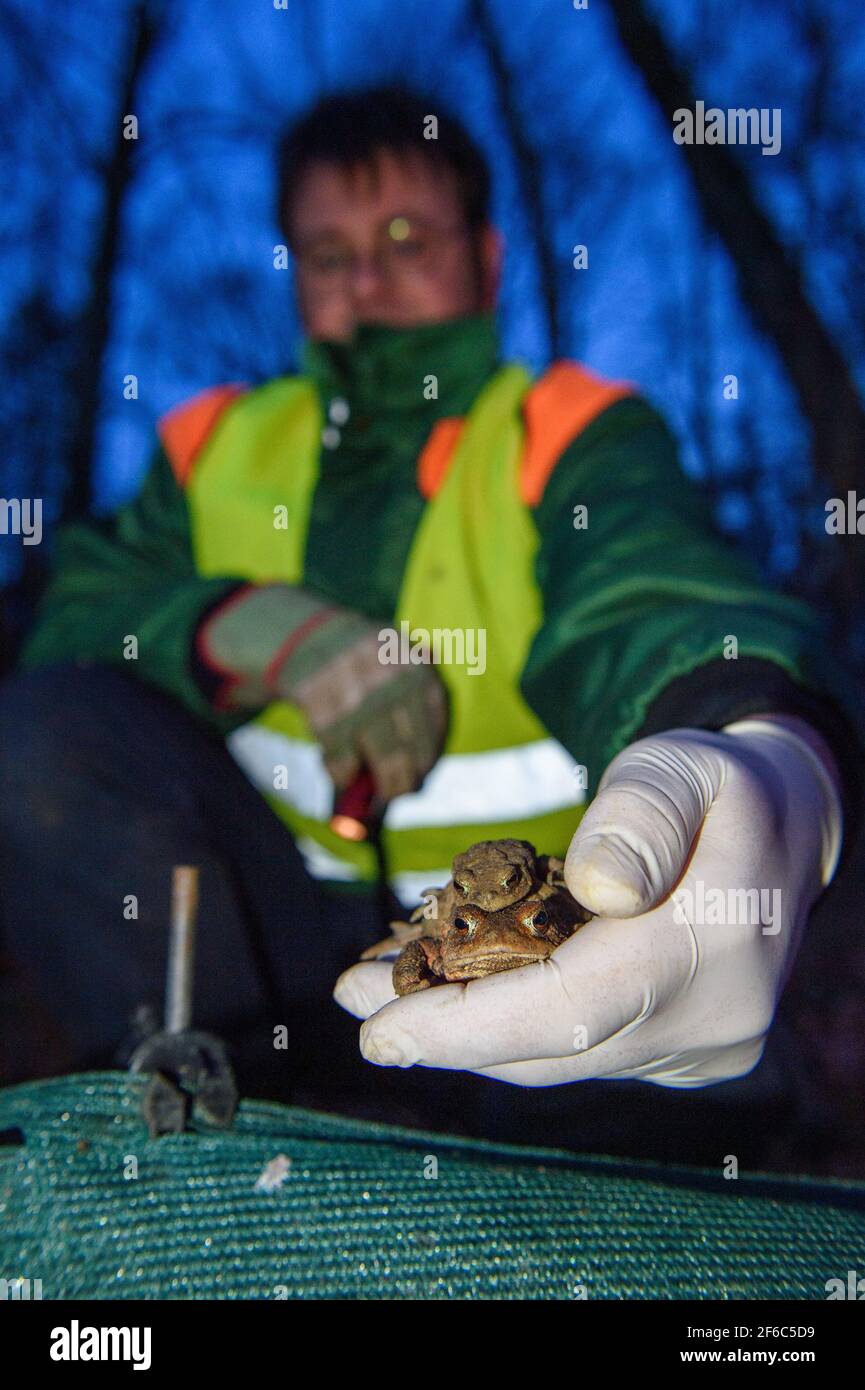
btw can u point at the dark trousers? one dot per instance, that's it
(105, 784)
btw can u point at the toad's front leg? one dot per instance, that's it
(418, 966)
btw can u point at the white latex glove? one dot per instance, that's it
(652, 988)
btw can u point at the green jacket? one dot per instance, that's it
(640, 604)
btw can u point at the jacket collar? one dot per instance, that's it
(381, 372)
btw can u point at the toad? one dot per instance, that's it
(504, 907)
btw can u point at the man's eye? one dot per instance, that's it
(327, 261)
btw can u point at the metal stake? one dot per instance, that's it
(181, 948)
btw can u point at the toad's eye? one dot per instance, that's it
(461, 924)
(540, 919)
(461, 888)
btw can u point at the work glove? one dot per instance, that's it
(676, 980)
(280, 642)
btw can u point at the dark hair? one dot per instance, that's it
(350, 128)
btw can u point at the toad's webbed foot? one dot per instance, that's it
(553, 870)
(435, 905)
(418, 967)
(402, 934)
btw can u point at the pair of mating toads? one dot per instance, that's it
(505, 906)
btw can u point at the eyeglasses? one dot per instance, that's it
(405, 248)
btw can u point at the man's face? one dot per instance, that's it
(393, 249)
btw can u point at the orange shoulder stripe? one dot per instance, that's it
(557, 408)
(435, 457)
(184, 429)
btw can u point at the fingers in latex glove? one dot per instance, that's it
(365, 988)
(680, 1070)
(592, 988)
(597, 1009)
(673, 995)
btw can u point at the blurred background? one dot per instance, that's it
(137, 271)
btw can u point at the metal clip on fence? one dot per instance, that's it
(189, 1069)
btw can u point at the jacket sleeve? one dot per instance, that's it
(652, 620)
(133, 576)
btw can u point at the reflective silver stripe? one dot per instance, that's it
(409, 886)
(531, 779)
(322, 863)
(261, 751)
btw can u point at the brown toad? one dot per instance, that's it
(504, 907)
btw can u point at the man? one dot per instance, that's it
(297, 554)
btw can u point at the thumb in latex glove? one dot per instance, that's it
(702, 854)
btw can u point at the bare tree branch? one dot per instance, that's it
(95, 323)
(527, 167)
(769, 280)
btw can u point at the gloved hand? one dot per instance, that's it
(280, 642)
(672, 987)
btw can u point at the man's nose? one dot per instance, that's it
(367, 280)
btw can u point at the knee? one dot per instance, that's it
(49, 730)
(39, 708)
(103, 741)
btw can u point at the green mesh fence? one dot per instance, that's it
(370, 1211)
